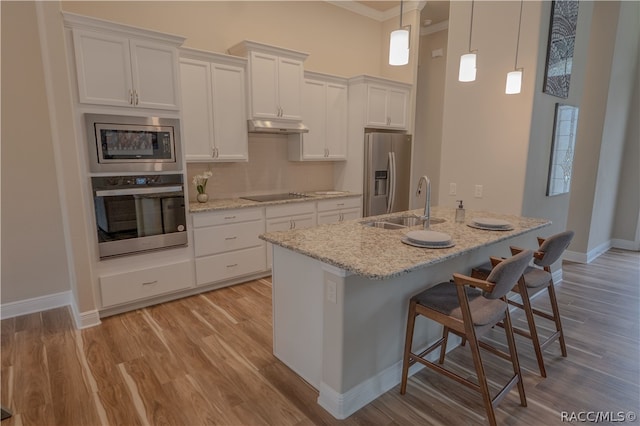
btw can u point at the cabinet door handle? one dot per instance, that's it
(230, 238)
(130, 97)
(136, 92)
(150, 282)
(341, 218)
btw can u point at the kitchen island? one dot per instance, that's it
(341, 292)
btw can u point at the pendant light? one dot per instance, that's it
(514, 78)
(467, 70)
(399, 44)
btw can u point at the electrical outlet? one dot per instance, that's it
(452, 188)
(478, 193)
(331, 290)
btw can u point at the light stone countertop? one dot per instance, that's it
(378, 253)
(239, 203)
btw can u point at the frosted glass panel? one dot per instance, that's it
(562, 148)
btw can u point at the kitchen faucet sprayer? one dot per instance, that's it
(427, 202)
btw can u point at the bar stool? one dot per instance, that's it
(533, 281)
(470, 307)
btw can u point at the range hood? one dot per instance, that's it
(276, 126)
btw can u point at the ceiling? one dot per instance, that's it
(436, 11)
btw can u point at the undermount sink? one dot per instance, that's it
(399, 222)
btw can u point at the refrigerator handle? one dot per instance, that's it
(392, 182)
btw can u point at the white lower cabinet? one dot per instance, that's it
(289, 216)
(145, 283)
(339, 209)
(227, 245)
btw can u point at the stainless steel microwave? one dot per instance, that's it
(133, 144)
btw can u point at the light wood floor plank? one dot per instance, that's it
(207, 360)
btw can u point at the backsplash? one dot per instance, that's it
(267, 171)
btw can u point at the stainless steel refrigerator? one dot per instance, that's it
(387, 172)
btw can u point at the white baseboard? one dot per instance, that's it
(626, 244)
(85, 319)
(342, 405)
(51, 301)
(37, 304)
(590, 256)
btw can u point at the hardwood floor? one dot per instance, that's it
(207, 359)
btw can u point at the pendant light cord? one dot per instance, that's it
(515, 66)
(400, 14)
(471, 25)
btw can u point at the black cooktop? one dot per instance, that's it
(275, 197)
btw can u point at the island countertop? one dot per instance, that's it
(377, 253)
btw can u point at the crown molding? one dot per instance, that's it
(377, 15)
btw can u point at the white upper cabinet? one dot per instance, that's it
(118, 65)
(385, 102)
(276, 79)
(214, 117)
(324, 110)
(387, 106)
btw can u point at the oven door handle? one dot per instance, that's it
(139, 191)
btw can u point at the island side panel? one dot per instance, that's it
(297, 313)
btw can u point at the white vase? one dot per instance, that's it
(202, 198)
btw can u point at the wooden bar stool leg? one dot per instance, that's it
(533, 331)
(511, 341)
(482, 380)
(411, 322)
(443, 348)
(556, 316)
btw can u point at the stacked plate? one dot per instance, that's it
(491, 224)
(428, 239)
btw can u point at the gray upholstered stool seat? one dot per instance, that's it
(534, 280)
(443, 298)
(469, 307)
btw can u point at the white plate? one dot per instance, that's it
(488, 222)
(425, 245)
(428, 237)
(489, 228)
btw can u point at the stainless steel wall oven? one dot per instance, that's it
(139, 213)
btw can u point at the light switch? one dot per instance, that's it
(478, 193)
(453, 188)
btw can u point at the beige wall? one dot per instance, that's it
(485, 136)
(427, 140)
(34, 261)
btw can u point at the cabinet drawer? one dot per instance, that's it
(293, 222)
(129, 286)
(290, 209)
(235, 236)
(225, 266)
(225, 216)
(338, 216)
(338, 203)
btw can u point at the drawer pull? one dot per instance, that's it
(230, 238)
(232, 265)
(340, 204)
(150, 282)
(229, 217)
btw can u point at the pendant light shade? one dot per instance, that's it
(514, 78)
(399, 47)
(399, 44)
(467, 70)
(467, 67)
(514, 82)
